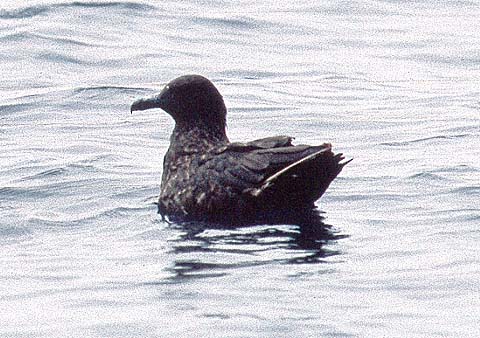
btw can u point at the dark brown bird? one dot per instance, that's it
(206, 177)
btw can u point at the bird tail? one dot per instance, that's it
(302, 182)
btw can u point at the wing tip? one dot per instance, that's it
(344, 163)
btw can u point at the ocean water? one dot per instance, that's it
(393, 84)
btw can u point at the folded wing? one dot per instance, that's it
(272, 171)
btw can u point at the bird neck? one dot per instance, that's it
(198, 138)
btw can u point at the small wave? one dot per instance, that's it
(29, 99)
(60, 58)
(65, 41)
(123, 211)
(47, 188)
(459, 60)
(118, 93)
(109, 89)
(469, 191)
(48, 173)
(8, 38)
(236, 23)
(93, 216)
(23, 13)
(425, 139)
(245, 74)
(460, 215)
(84, 166)
(7, 109)
(32, 11)
(38, 222)
(462, 168)
(116, 4)
(428, 176)
(15, 192)
(41, 38)
(13, 232)
(361, 197)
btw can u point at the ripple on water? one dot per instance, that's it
(431, 139)
(79, 175)
(14, 232)
(32, 11)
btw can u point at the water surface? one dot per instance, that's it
(393, 84)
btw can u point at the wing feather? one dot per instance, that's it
(274, 167)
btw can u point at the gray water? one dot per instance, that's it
(392, 84)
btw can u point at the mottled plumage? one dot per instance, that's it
(207, 177)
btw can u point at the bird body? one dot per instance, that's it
(206, 177)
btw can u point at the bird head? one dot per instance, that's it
(190, 100)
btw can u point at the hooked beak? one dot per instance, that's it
(147, 103)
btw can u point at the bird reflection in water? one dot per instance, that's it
(212, 250)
